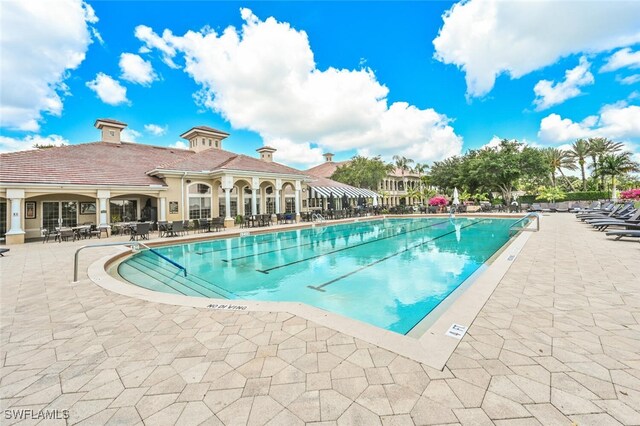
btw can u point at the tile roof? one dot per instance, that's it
(326, 169)
(97, 163)
(124, 164)
(213, 159)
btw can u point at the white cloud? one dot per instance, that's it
(623, 58)
(153, 41)
(178, 145)
(41, 42)
(109, 91)
(130, 135)
(263, 78)
(136, 70)
(617, 121)
(549, 93)
(486, 38)
(8, 144)
(631, 79)
(156, 129)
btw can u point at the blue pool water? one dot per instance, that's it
(390, 273)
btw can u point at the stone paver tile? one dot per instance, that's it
(125, 416)
(603, 388)
(194, 392)
(332, 405)
(469, 395)
(378, 375)
(347, 370)
(196, 413)
(217, 400)
(382, 357)
(499, 407)
(307, 406)
(401, 398)
(397, 420)
(230, 380)
(439, 391)
(328, 361)
(129, 397)
(236, 413)
(547, 414)
(167, 416)
(525, 421)
(572, 404)
(100, 418)
(536, 391)
(255, 387)
(601, 419)
(475, 376)
(620, 411)
(151, 404)
(417, 381)
(375, 399)
(358, 415)
(84, 409)
(361, 358)
(427, 411)
(472, 417)
(285, 417)
(264, 409)
(318, 381)
(350, 387)
(289, 374)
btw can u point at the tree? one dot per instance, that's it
(448, 173)
(500, 168)
(598, 148)
(615, 165)
(363, 172)
(579, 152)
(559, 159)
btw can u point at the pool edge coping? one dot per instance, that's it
(433, 348)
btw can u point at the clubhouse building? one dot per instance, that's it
(111, 181)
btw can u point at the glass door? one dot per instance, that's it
(59, 213)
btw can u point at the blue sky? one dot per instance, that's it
(422, 79)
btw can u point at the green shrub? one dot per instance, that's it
(239, 219)
(570, 196)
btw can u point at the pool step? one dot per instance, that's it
(167, 275)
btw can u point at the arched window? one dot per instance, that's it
(199, 201)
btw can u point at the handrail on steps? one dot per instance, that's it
(528, 215)
(135, 245)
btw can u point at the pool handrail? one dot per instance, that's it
(528, 215)
(135, 245)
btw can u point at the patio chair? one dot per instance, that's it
(65, 234)
(46, 234)
(562, 207)
(204, 225)
(186, 225)
(141, 231)
(217, 223)
(177, 228)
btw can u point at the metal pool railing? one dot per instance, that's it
(135, 245)
(524, 227)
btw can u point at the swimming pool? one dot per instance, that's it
(390, 272)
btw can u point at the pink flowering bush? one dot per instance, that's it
(438, 200)
(631, 194)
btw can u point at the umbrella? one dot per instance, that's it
(345, 201)
(331, 201)
(456, 201)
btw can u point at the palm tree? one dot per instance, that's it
(579, 152)
(615, 165)
(560, 159)
(402, 163)
(598, 148)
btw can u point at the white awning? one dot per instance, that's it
(339, 191)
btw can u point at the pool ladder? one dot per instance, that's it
(317, 217)
(135, 245)
(525, 228)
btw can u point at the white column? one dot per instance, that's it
(103, 196)
(254, 201)
(278, 200)
(227, 203)
(163, 209)
(297, 203)
(16, 196)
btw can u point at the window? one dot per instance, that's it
(123, 210)
(209, 142)
(112, 133)
(199, 201)
(216, 142)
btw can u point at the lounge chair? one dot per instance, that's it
(217, 223)
(629, 233)
(562, 207)
(616, 212)
(3, 251)
(602, 224)
(177, 228)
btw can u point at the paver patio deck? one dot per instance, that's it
(558, 342)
